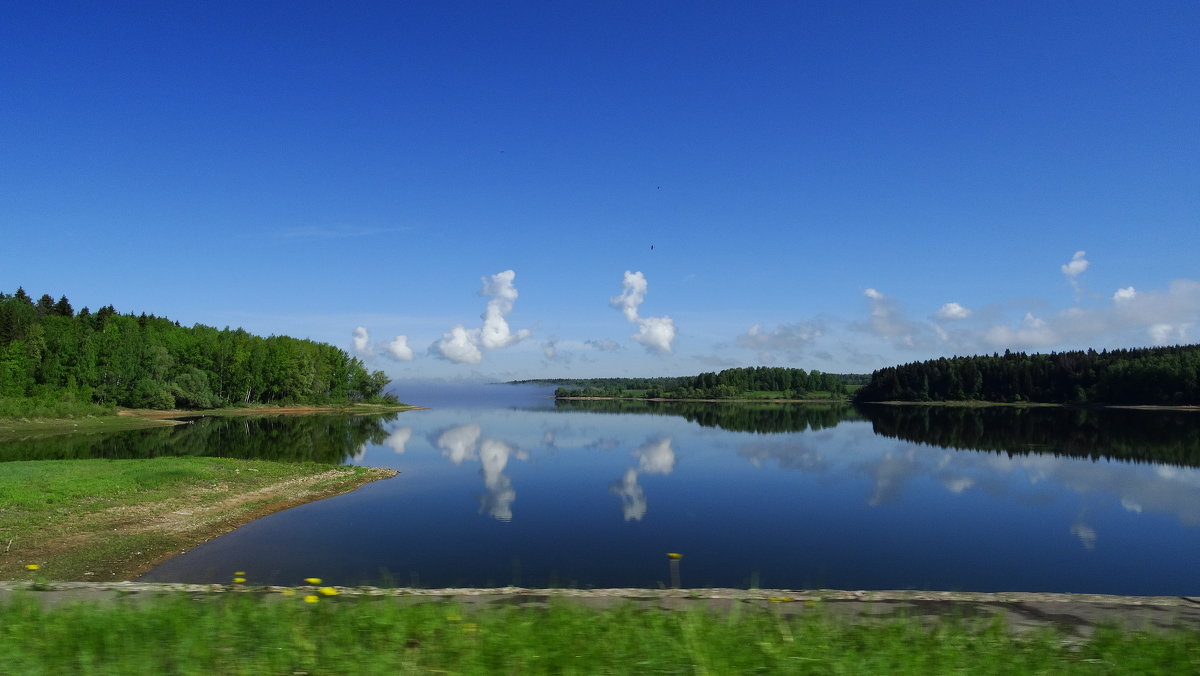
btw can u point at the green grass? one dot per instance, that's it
(99, 505)
(245, 634)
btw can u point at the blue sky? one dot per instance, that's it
(838, 186)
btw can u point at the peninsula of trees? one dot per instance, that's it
(1160, 376)
(762, 382)
(48, 352)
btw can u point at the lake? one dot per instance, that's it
(508, 487)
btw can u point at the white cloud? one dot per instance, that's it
(655, 333)
(1076, 265)
(398, 349)
(361, 340)
(496, 333)
(633, 292)
(953, 311)
(1128, 293)
(462, 345)
(1074, 268)
(458, 345)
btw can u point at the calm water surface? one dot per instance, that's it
(504, 487)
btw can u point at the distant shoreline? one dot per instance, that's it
(948, 404)
(712, 401)
(1030, 404)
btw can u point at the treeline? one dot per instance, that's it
(1151, 376)
(768, 382)
(48, 352)
(1169, 437)
(761, 418)
(327, 439)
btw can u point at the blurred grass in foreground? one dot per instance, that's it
(245, 634)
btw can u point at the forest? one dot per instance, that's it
(1167, 437)
(50, 353)
(760, 382)
(1164, 376)
(757, 417)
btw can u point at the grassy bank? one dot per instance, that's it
(245, 634)
(113, 519)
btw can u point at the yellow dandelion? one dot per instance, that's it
(240, 573)
(311, 598)
(454, 617)
(470, 627)
(674, 555)
(328, 591)
(31, 566)
(313, 580)
(239, 580)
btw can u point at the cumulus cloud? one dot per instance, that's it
(633, 292)
(1076, 265)
(792, 339)
(398, 349)
(1128, 293)
(495, 333)
(362, 340)
(953, 311)
(655, 333)
(459, 345)
(463, 346)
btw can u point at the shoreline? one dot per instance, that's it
(123, 539)
(711, 401)
(948, 404)
(12, 429)
(1074, 614)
